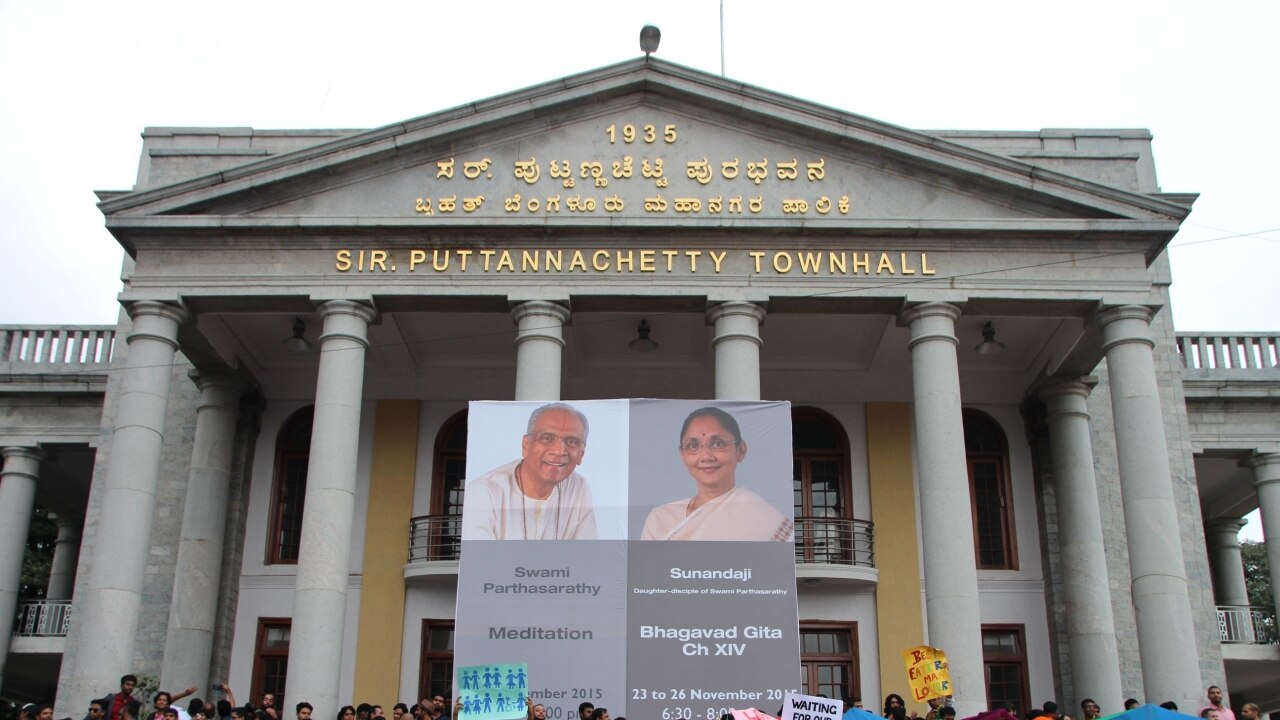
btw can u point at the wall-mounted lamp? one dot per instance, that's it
(297, 342)
(642, 343)
(989, 344)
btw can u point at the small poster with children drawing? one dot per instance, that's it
(493, 692)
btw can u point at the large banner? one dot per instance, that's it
(667, 589)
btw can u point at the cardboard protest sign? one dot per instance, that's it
(493, 692)
(927, 672)
(807, 707)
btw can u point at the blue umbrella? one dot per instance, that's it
(860, 714)
(1151, 712)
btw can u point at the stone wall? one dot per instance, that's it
(175, 469)
(233, 543)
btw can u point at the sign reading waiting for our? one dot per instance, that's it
(807, 707)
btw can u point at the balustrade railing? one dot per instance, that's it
(50, 348)
(435, 537)
(42, 618)
(1237, 351)
(1247, 625)
(835, 541)
(830, 541)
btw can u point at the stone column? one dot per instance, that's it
(188, 645)
(66, 554)
(1166, 634)
(1225, 562)
(950, 567)
(17, 502)
(737, 347)
(324, 560)
(108, 607)
(539, 349)
(1091, 631)
(1266, 479)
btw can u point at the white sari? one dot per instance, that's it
(736, 515)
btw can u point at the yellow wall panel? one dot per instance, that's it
(899, 615)
(386, 546)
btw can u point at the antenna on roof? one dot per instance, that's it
(721, 38)
(650, 36)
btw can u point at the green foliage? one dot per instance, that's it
(1257, 576)
(39, 556)
(145, 691)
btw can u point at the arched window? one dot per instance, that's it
(987, 454)
(289, 487)
(447, 477)
(820, 484)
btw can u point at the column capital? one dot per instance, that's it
(1067, 396)
(209, 378)
(1116, 331)
(549, 308)
(1225, 531)
(156, 320)
(172, 311)
(219, 388)
(1265, 466)
(1079, 386)
(63, 520)
(34, 454)
(556, 316)
(735, 307)
(748, 331)
(915, 312)
(931, 321)
(359, 315)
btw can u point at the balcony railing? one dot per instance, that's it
(435, 537)
(1239, 351)
(818, 540)
(1247, 625)
(43, 618)
(52, 348)
(835, 541)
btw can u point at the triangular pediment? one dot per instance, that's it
(641, 144)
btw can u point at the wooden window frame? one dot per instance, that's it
(1001, 460)
(426, 656)
(1020, 660)
(805, 548)
(260, 652)
(439, 456)
(282, 457)
(853, 659)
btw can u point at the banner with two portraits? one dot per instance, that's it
(637, 555)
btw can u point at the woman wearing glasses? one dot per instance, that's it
(711, 446)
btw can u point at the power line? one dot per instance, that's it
(827, 293)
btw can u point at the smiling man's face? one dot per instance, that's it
(551, 452)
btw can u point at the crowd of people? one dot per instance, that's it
(940, 709)
(123, 705)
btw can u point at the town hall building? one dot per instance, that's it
(1001, 447)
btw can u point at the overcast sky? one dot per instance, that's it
(82, 79)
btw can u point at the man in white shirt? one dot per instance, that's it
(539, 496)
